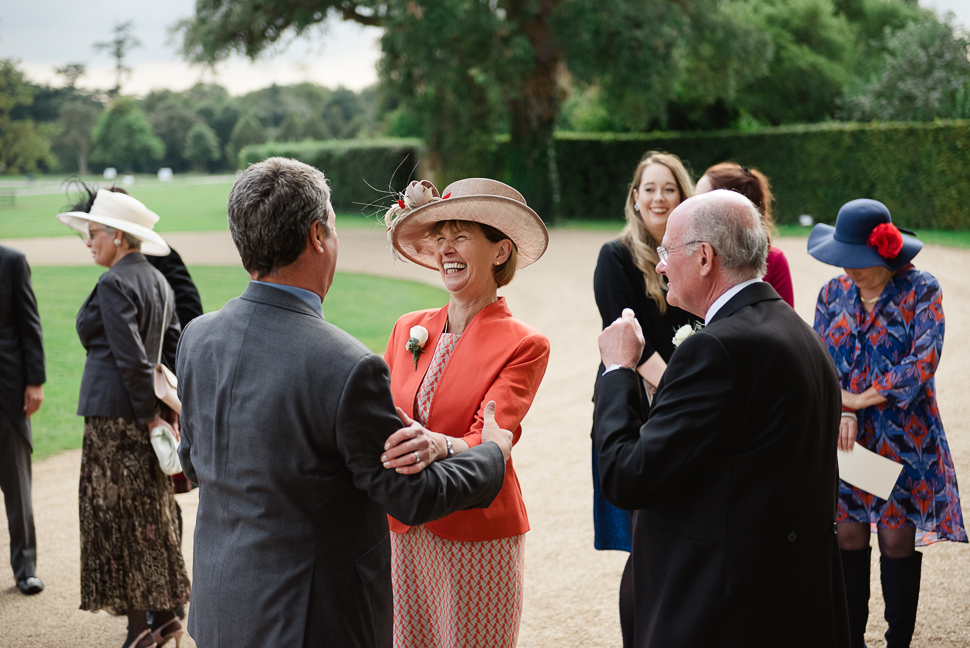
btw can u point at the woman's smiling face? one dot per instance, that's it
(656, 196)
(466, 259)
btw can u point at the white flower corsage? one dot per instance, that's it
(685, 332)
(419, 335)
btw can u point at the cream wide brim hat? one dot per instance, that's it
(121, 212)
(478, 200)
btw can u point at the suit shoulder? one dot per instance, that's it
(11, 254)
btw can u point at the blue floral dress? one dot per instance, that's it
(896, 349)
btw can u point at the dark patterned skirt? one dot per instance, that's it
(131, 556)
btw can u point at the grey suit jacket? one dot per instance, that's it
(119, 325)
(283, 422)
(21, 340)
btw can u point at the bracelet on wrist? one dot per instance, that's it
(850, 415)
(451, 448)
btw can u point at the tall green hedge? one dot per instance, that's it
(361, 172)
(921, 171)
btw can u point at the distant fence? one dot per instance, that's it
(921, 171)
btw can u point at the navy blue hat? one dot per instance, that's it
(847, 244)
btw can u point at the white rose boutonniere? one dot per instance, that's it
(685, 332)
(419, 335)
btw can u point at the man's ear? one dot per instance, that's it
(706, 258)
(317, 236)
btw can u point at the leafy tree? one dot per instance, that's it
(813, 48)
(71, 73)
(925, 75)
(171, 120)
(247, 131)
(201, 146)
(78, 119)
(24, 145)
(124, 138)
(118, 48)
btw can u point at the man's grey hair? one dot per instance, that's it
(271, 209)
(732, 225)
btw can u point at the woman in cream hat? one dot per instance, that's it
(458, 581)
(882, 322)
(131, 559)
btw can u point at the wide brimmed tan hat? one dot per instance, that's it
(121, 212)
(479, 200)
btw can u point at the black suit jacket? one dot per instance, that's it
(188, 304)
(21, 338)
(734, 479)
(284, 418)
(119, 326)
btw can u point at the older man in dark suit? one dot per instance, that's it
(733, 475)
(22, 378)
(284, 420)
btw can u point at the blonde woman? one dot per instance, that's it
(626, 277)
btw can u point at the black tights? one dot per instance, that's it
(893, 543)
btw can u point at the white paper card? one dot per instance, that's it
(868, 470)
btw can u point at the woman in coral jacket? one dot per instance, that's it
(458, 581)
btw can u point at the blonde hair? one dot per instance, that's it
(635, 235)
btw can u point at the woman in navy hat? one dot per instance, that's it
(883, 323)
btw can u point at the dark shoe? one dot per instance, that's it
(900, 588)
(855, 571)
(30, 585)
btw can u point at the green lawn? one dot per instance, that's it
(367, 307)
(182, 207)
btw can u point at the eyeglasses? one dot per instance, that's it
(663, 251)
(87, 236)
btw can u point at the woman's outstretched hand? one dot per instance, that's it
(411, 449)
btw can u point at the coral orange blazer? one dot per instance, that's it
(497, 358)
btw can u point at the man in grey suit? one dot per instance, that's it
(22, 378)
(284, 420)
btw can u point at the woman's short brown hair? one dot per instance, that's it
(504, 272)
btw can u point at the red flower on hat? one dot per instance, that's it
(887, 240)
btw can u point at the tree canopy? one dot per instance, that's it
(464, 70)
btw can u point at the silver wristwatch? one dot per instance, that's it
(451, 448)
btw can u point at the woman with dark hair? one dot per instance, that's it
(753, 185)
(131, 559)
(882, 322)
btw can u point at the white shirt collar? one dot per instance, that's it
(726, 297)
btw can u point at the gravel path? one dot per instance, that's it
(570, 597)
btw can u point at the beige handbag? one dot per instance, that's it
(166, 384)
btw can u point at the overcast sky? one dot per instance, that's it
(45, 34)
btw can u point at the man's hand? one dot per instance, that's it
(492, 432)
(621, 342)
(33, 397)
